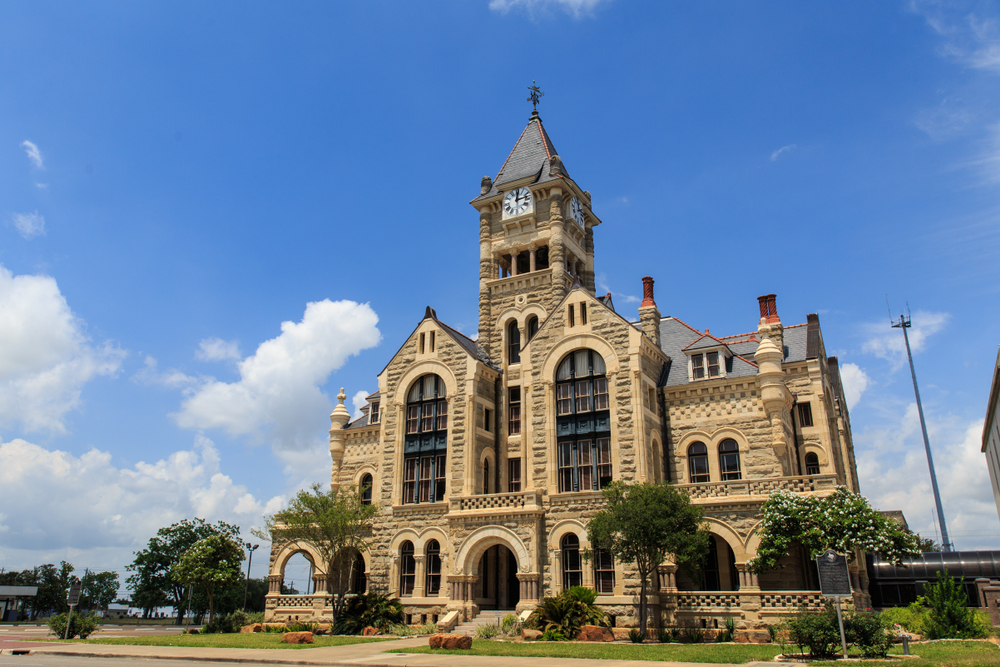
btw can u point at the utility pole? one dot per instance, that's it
(904, 324)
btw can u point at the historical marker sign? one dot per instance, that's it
(74, 593)
(834, 578)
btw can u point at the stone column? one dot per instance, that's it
(274, 583)
(770, 376)
(420, 578)
(531, 258)
(588, 274)
(513, 261)
(488, 269)
(557, 571)
(528, 590)
(338, 419)
(557, 253)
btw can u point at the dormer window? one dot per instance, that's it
(705, 365)
(374, 416)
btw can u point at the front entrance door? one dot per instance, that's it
(498, 584)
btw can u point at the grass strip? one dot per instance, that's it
(718, 653)
(947, 653)
(262, 640)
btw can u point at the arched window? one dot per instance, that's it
(698, 462)
(359, 582)
(433, 583)
(407, 568)
(366, 489)
(571, 564)
(426, 446)
(729, 459)
(513, 343)
(532, 326)
(604, 572)
(812, 464)
(486, 476)
(583, 422)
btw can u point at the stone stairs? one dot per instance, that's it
(487, 617)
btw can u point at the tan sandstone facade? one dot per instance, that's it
(487, 457)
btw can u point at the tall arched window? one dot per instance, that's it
(729, 459)
(571, 564)
(513, 343)
(366, 489)
(407, 568)
(812, 464)
(698, 462)
(604, 572)
(486, 475)
(532, 326)
(426, 445)
(433, 578)
(583, 422)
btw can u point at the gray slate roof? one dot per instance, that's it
(675, 335)
(530, 157)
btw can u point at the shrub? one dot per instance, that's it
(912, 619)
(229, 623)
(428, 628)
(81, 626)
(663, 636)
(510, 625)
(255, 617)
(772, 631)
(635, 636)
(369, 609)
(949, 617)
(553, 636)
(567, 612)
(869, 632)
(820, 632)
(730, 631)
(691, 636)
(488, 631)
(401, 630)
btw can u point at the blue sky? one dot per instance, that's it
(180, 181)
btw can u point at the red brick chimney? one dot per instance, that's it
(647, 293)
(649, 314)
(768, 308)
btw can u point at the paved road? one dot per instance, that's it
(43, 660)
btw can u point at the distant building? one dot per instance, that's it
(488, 456)
(991, 434)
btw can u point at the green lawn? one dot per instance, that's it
(727, 653)
(943, 654)
(237, 640)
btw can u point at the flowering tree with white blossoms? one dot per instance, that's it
(842, 521)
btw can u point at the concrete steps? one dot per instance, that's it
(487, 617)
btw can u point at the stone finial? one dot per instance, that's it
(340, 416)
(647, 293)
(485, 185)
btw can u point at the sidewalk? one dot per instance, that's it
(353, 655)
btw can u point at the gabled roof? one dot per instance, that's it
(707, 340)
(463, 341)
(531, 156)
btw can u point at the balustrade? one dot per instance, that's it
(760, 487)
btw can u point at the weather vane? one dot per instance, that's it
(536, 95)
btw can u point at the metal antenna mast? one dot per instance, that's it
(904, 324)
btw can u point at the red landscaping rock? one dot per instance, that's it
(369, 631)
(595, 633)
(450, 642)
(752, 637)
(297, 638)
(193, 631)
(529, 635)
(253, 627)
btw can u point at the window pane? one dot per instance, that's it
(730, 464)
(412, 417)
(582, 360)
(425, 479)
(514, 475)
(697, 366)
(585, 467)
(442, 418)
(600, 393)
(440, 472)
(583, 396)
(599, 367)
(564, 370)
(429, 386)
(566, 466)
(603, 462)
(564, 402)
(515, 420)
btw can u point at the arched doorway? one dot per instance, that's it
(498, 586)
(297, 575)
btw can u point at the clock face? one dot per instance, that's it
(576, 210)
(517, 201)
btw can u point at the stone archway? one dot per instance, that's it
(484, 538)
(493, 566)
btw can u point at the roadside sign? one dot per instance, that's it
(74, 593)
(834, 577)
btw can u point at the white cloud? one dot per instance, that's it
(359, 402)
(278, 397)
(896, 477)
(58, 505)
(33, 154)
(150, 374)
(216, 349)
(887, 343)
(602, 286)
(29, 225)
(576, 8)
(855, 381)
(42, 186)
(784, 149)
(45, 354)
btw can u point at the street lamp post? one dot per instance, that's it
(246, 586)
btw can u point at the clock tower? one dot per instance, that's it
(536, 239)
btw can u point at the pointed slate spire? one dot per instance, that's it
(534, 154)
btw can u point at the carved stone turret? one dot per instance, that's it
(338, 420)
(770, 377)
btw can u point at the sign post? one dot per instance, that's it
(74, 599)
(835, 582)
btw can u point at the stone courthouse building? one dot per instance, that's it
(487, 456)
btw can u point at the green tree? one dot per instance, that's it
(842, 521)
(53, 587)
(151, 583)
(338, 524)
(950, 616)
(98, 589)
(645, 524)
(213, 563)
